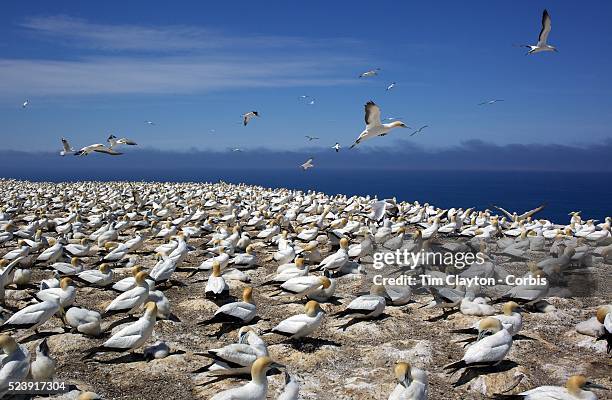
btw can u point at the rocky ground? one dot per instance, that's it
(333, 364)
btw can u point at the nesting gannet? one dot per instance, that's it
(489, 102)
(33, 316)
(511, 320)
(311, 138)
(248, 116)
(216, 285)
(43, 368)
(543, 37)
(419, 130)
(113, 141)
(412, 383)
(301, 325)
(15, 365)
(576, 388)
(97, 147)
(84, 321)
(494, 342)
(66, 293)
(604, 317)
(291, 390)
(131, 336)
(257, 388)
(157, 350)
(373, 125)
(235, 313)
(130, 300)
(336, 261)
(336, 147)
(101, 277)
(304, 286)
(67, 149)
(364, 307)
(370, 73)
(308, 164)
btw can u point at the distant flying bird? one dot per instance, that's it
(373, 125)
(67, 148)
(370, 73)
(247, 117)
(25, 104)
(149, 122)
(311, 138)
(114, 141)
(336, 146)
(308, 164)
(542, 45)
(308, 99)
(391, 86)
(489, 102)
(98, 148)
(236, 149)
(419, 130)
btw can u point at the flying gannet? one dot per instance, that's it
(308, 164)
(248, 116)
(98, 148)
(336, 147)
(373, 125)
(543, 37)
(419, 130)
(370, 73)
(67, 149)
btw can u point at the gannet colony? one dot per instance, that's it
(122, 290)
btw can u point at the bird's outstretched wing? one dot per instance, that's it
(372, 115)
(107, 150)
(546, 25)
(503, 211)
(66, 145)
(532, 212)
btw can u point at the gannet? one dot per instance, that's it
(247, 117)
(67, 149)
(257, 388)
(576, 388)
(604, 316)
(311, 138)
(97, 147)
(291, 390)
(543, 37)
(494, 342)
(43, 368)
(304, 286)
(489, 102)
(511, 320)
(101, 277)
(373, 125)
(390, 86)
(337, 260)
(113, 141)
(88, 396)
(216, 285)
(419, 130)
(33, 316)
(14, 365)
(131, 336)
(84, 321)
(236, 313)
(412, 383)
(301, 325)
(370, 73)
(132, 299)
(336, 147)
(308, 164)
(25, 104)
(66, 293)
(365, 307)
(149, 122)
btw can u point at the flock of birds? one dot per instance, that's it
(62, 244)
(374, 125)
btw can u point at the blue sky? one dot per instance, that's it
(91, 68)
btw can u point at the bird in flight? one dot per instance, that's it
(419, 130)
(25, 104)
(308, 164)
(373, 125)
(67, 149)
(489, 102)
(247, 117)
(149, 122)
(370, 73)
(236, 149)
(311, 138)
(308, 99)
(114, 141)
(543, 37)
(336, 147)
(391, 86)
(98, 148)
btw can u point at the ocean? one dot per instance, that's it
(515, 191)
